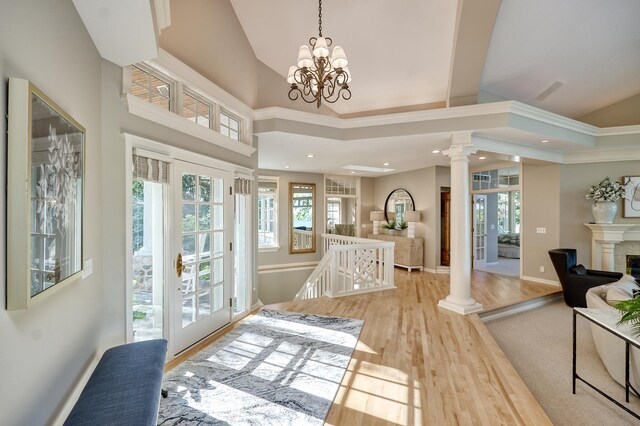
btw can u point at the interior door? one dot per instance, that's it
(479, 229)
(202, 235)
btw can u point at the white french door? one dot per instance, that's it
(202, 233)
(479, 229)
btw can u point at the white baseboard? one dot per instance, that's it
(540, 280)
(443, 270)
(433, 271)
(73, 396)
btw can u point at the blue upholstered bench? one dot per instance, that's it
(125, 387)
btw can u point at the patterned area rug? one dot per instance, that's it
(275, 368)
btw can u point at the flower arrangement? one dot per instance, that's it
(606, 190)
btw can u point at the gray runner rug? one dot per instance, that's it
(275, 368)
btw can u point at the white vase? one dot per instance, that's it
(604, 211)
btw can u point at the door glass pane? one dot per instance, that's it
(188, 248)
(204, 217)
(205, 189)
(218, 272)
(205, 275)
(218, 294)
(218, 217)
(189, 279)
(218, 242)
(205, 243)
(218, 191)
(188, 217)
(148, 259)
(204, 304)
(188, 310)
(188, 187)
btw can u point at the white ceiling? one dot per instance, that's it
(399, 52)
(278, 150)
(592, 46)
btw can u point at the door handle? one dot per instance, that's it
(180, 267)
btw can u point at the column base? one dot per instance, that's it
(463, 307)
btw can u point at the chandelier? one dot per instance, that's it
(318, 76)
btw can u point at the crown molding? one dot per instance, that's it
(602, 155)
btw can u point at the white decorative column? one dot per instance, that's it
(459, 300)
(604, 238)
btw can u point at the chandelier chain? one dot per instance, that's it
(319, 76)
(320, 18)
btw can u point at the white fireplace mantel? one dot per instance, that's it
(604, 238)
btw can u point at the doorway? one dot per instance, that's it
(496, 220)
(201, 243)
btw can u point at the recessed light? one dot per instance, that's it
(385, 164)
(435, 151)
(545, 141)
(287, 167)
(482, 158)
(310, 155)
(352, 172)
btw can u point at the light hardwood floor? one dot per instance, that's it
(416, 363)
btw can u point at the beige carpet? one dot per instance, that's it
(538, 344)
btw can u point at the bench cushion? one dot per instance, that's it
(124, 389)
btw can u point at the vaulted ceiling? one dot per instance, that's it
(418, 52)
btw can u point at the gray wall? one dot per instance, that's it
(424, 186)
(575, 210)
(281, 286)
(540, 208)
(218, 49)
(45, 349)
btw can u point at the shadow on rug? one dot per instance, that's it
(275, 368)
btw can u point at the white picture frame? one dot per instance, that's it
(632, 196)
(45, 196)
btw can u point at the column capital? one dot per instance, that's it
(460, 151)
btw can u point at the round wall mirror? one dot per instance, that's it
(398, 202)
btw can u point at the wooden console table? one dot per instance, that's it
(408, 252)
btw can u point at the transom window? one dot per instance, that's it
(496, 178)
(229, 126)
(267, 213)
(196, 110)
(151, 87)
(171, 93)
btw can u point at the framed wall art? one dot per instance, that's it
(632, 196)
(45, 193)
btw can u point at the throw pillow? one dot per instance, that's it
(579, 270)
(621, 290)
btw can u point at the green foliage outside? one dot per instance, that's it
(137, 190)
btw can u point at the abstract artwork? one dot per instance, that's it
(632, 196)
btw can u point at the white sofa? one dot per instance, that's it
(610, 348)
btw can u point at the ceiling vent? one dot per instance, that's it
(554, 86)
